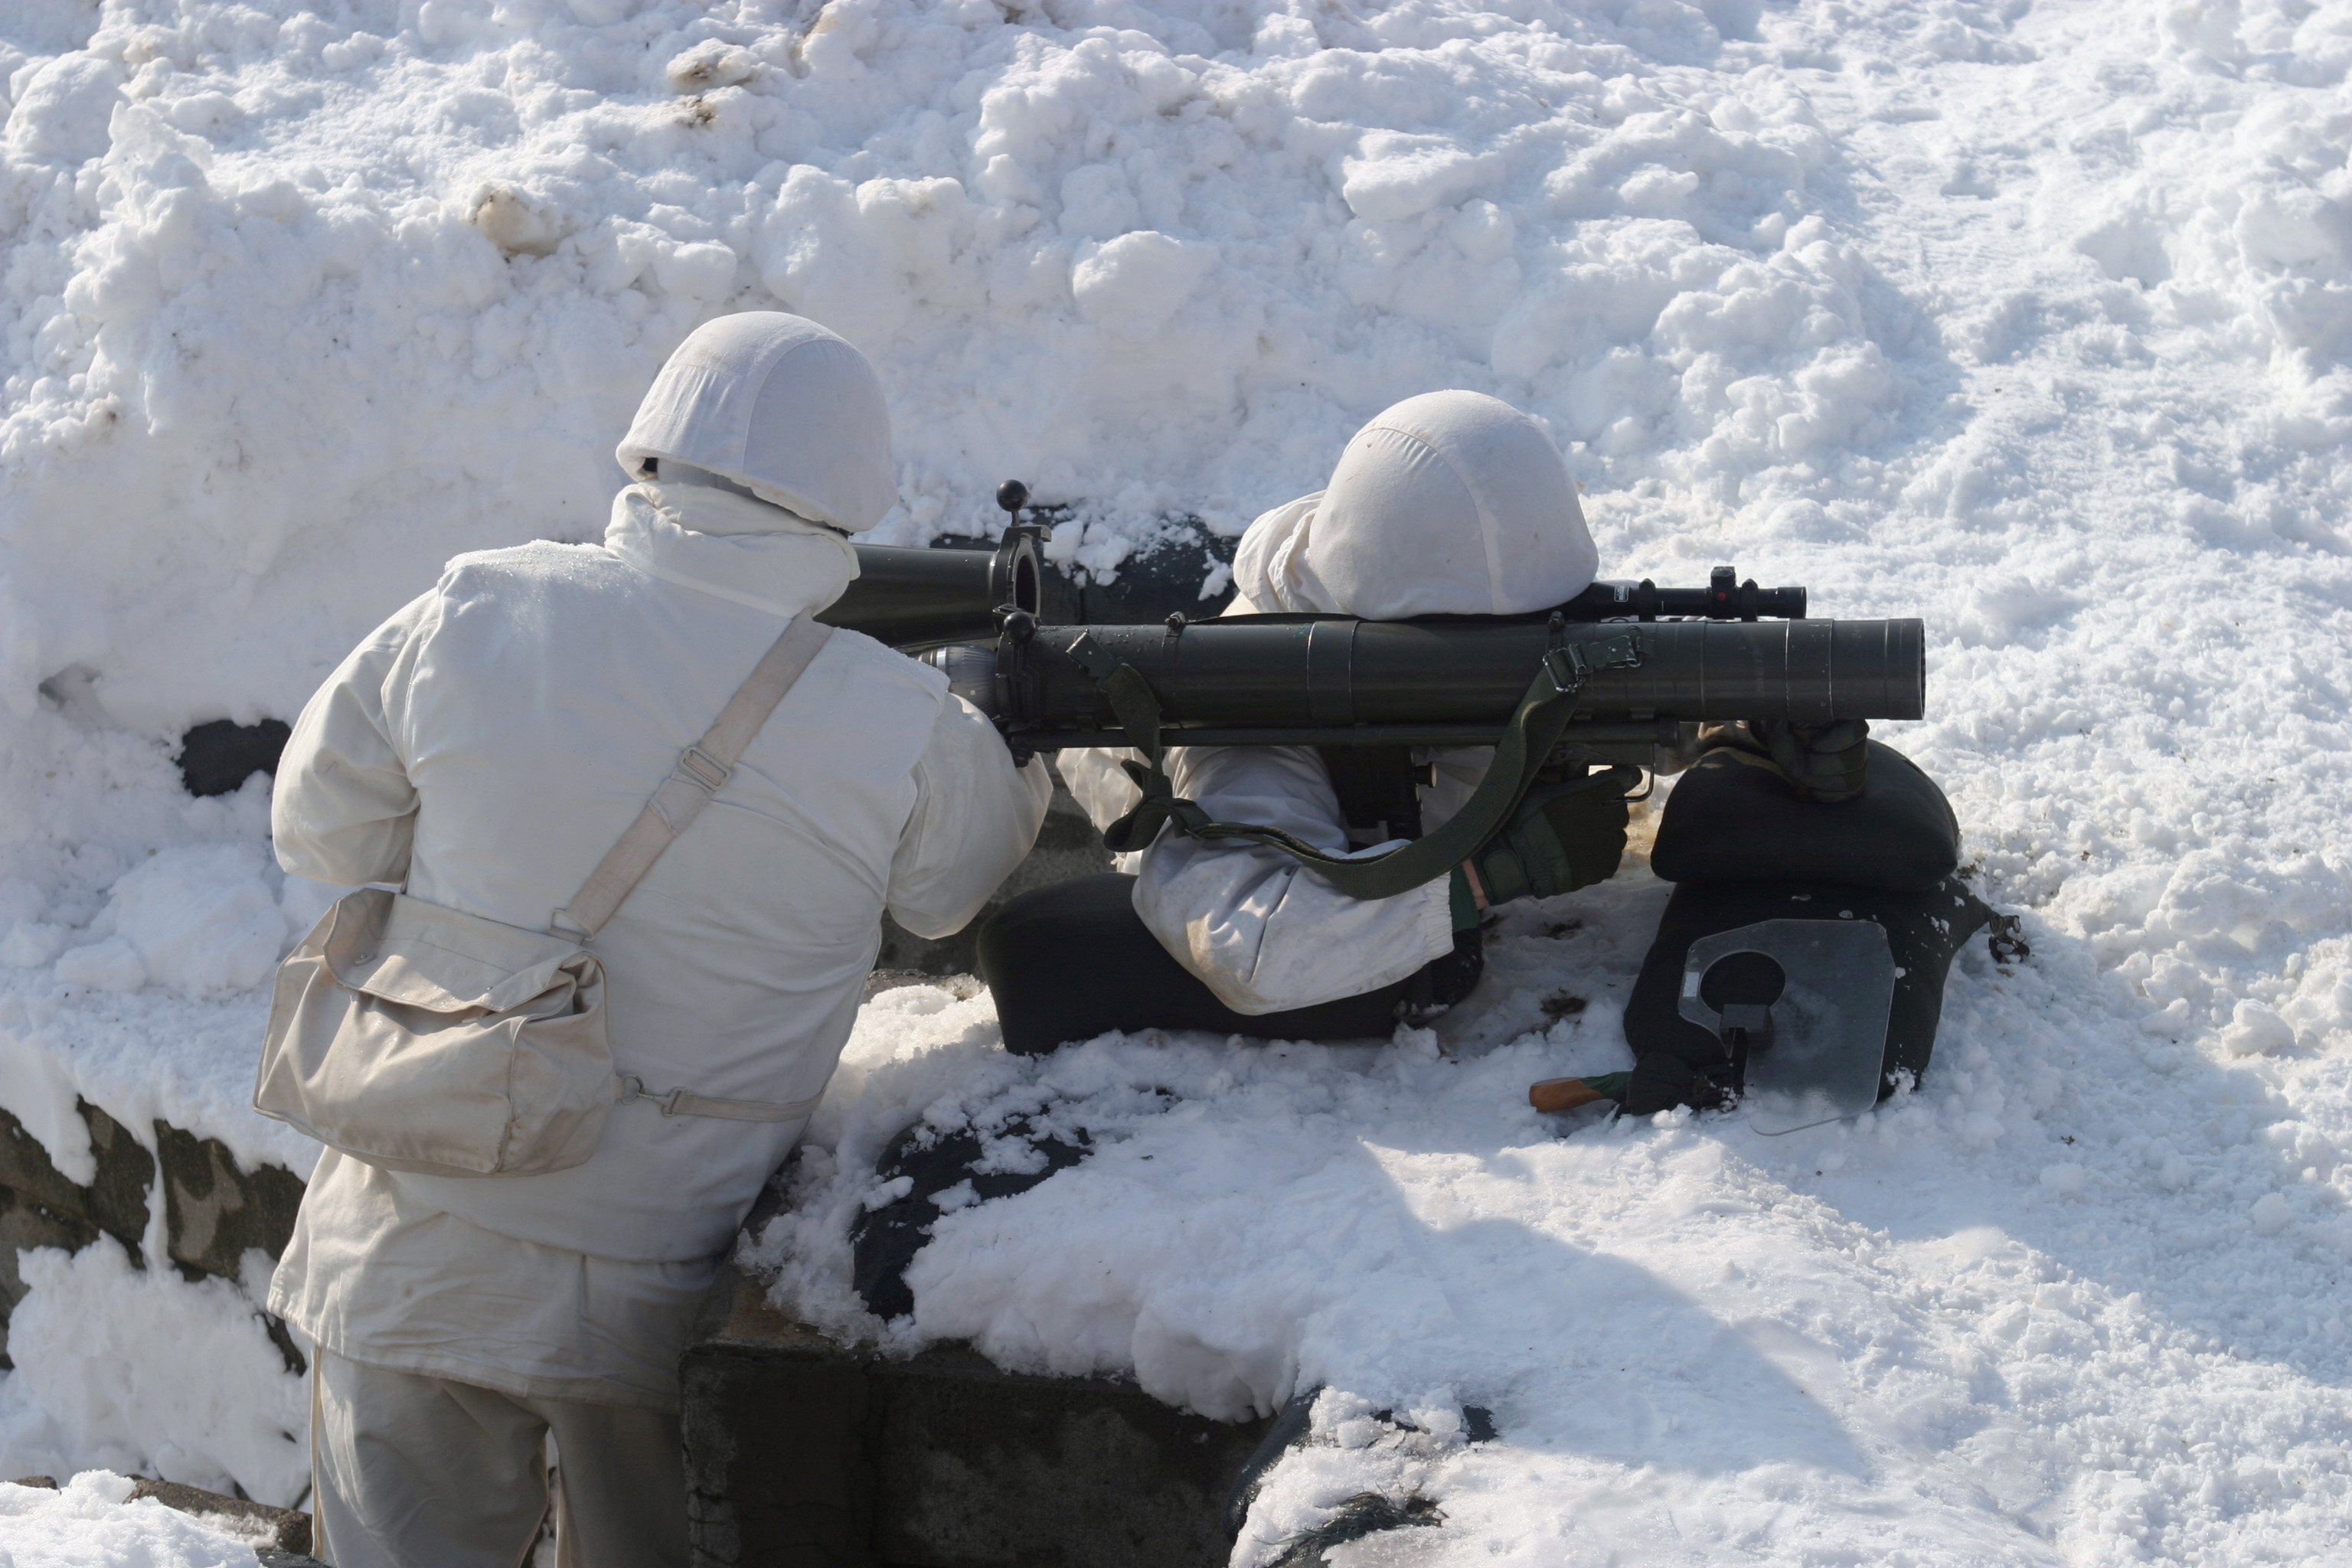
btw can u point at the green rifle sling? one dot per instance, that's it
(1534, 729)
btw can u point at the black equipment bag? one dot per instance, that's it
(1733, 818)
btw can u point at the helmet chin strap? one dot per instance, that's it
(670, 471)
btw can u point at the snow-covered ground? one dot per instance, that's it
(2029, 318)
(91, 1523)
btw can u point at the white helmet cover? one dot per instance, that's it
(780, 406)
(1448, 503)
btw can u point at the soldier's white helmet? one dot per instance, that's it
(1447, 504)
(775, 403)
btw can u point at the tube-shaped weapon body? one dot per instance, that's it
(1331, 680)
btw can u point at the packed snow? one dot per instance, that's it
(104, 1375)
(2028, 318)
(91, 1522)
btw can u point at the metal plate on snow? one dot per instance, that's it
(1829, 1026)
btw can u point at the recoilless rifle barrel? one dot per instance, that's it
(1333, 681)
(919, 599)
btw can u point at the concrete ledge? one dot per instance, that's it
(803, 1451)
(286, 1531)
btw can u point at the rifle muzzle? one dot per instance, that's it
(916, 599)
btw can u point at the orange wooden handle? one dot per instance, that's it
(1562, 1094)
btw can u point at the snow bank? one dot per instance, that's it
(2028, 318)
(362, 291)
(91, 1523)
(144, 1370)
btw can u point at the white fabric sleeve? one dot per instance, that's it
(1097, 783)
(1103, 791)
(342, 809)
(1260, 929)
(975, 816)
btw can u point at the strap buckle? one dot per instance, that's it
(1572, 664)
(633, 1088)
(699, 767)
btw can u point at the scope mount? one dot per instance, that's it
(1725, 598)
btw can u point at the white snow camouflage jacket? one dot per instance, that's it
(488, 745)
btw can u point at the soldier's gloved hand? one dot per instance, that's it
(1563, 837)
(1824, 763)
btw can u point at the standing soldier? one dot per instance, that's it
(484, 749)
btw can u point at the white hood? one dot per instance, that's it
(744, 551)
(779, 405)
(1449, 503)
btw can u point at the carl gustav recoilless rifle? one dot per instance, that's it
(1628, 670)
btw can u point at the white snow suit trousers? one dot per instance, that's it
(414, 1471)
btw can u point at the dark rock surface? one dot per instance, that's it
(39, 1206)
(215, 1210)
(216, 758)
(1366, 1513)
(884, 1241)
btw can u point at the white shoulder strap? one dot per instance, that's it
(701, 770)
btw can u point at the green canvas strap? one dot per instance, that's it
(1519, 752)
